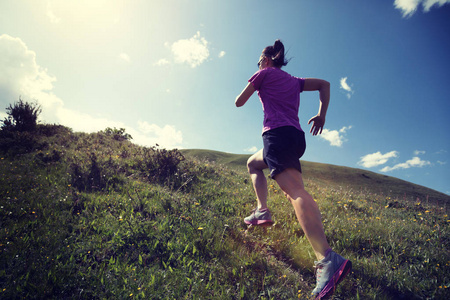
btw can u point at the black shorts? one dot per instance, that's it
(283, 148)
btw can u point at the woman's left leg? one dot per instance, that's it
(306, 210)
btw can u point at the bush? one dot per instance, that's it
(117, 134)
(22, 116)
(53, 129)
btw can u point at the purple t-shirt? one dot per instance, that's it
(279, 93)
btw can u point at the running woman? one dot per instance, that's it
(284, 144)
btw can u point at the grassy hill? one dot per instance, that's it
(339, 177)
(93, 216)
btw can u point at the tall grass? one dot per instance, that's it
(93, 216)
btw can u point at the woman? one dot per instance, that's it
(284, 144)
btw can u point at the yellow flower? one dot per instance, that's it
(200, 228)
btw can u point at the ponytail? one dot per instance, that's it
(276, 53)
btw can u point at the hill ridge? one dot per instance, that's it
(338, 176)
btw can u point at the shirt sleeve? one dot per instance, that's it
(302, 84)
(257, 79)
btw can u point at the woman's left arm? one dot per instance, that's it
(245, 95)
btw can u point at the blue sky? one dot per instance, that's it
(169, 71)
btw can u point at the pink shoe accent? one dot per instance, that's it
(340, 274)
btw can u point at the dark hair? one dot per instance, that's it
(276, 53)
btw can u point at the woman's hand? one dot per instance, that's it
(317, 126)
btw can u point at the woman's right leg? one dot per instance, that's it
(256, 165)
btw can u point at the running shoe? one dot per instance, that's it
(259, 217)
(329, 273)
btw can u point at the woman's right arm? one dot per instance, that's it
(245, 95)
(323, 86)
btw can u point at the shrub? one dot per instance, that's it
(117, 134)
(53, 129)
(22, 116)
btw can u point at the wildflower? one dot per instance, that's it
(200, 228)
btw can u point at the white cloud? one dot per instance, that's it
(167, 136)
(222, 54)
(376, 159)
(162, 62)
(125, 57)
(20, 75)
(193, 51)
(414, 162)
(335, 137)
(344, 84)
(346, 87)
(427, 4)
(52, 17)
(418, 152)
(251, 149)
(409, 7)
(3, 115)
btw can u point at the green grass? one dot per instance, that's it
(93, 216)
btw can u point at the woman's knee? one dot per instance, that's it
(256, 162)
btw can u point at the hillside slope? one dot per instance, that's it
(94, 216)
(338, 176)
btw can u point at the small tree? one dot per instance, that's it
(22, 116)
